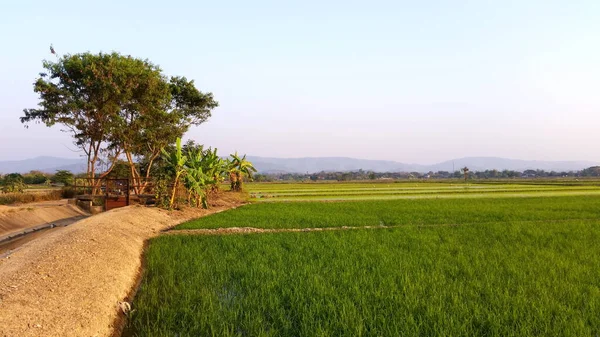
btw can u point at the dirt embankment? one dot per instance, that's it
(70, 282)
(17, 218)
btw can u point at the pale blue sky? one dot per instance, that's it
(400, 80)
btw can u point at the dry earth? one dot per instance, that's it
(71, 282)
(16, 218)
(253, 230)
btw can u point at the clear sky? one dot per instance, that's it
(412, 81)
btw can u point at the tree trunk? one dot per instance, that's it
(174, 190)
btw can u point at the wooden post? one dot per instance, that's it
(127, 195)
(106, 180)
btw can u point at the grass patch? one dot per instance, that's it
(23, 198)
(402, 212)
(496, 279)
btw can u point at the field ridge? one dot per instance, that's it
(255, 230)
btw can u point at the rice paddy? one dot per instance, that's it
(410, 190)
(493, 265)
(402, 212)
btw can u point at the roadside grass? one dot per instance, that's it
(503, 278)
(27, 197)
(403, 212)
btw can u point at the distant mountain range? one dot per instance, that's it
(44, 164)
(312, 164)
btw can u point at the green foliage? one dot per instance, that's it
(495, 279)
(85, 93)
(114, 104)
(175, 165)
(121, 169)
(195, 179)
(35, 178)
(593, 171)
(238, 168)
(161, 191)
(64, 177)
(13, 183)
(200, 170)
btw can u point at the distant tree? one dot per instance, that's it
(466, 172)
(64, 177)
(265, 178)
(593, 171)
(12, 183)
(35, 177)
(372, 175)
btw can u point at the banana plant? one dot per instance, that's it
(195, 183)
(175, 163)
(198, 176)
(216, 168)
(238, 168)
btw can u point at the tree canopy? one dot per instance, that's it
(116, 105)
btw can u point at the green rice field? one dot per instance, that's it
(484, 266)
(402, 190)
(403, 212)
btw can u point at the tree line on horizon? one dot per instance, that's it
(593, 171)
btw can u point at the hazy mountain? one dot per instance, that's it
(312, 164)
(490, 163)
(45, 164)
(303, 165)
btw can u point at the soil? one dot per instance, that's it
(14, 219)
(73, 281)
(252, 230)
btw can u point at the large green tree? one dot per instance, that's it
(160, 113)
(115, 105)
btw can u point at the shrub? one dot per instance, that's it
(68, 193)
(13, 183)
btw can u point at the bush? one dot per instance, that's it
(13, 183)
(68, 193)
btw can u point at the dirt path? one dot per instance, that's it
(70, 281)
(252, 230)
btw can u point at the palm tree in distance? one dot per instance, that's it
(465, 172)
(238, 168)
